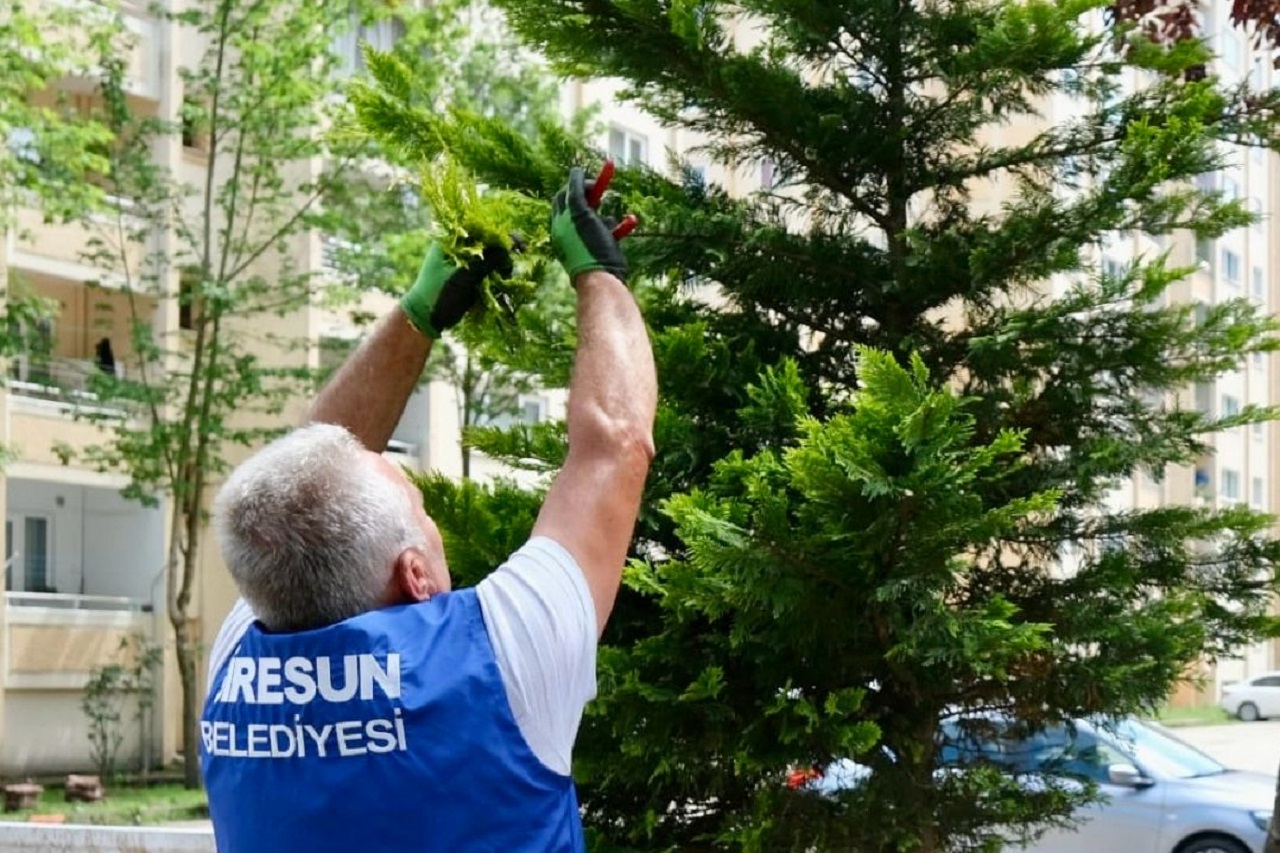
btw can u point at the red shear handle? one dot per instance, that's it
(597, 190)
(626, 226)
(595, 194)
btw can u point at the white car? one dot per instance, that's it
(1253, 699)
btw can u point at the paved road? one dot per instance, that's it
(1243, 746)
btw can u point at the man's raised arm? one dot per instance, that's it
(369, 392)
(592, 506)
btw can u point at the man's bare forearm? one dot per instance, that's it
(369, 392)
(614, 391)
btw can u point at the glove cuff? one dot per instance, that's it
(414, 314)
(620, 273)
(419, 302)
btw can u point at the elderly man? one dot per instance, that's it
(356, 702)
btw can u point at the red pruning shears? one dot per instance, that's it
(595, 193)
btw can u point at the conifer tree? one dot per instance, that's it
(887, 442)
(459, 55)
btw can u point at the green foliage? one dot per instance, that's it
(50, 151)
(466, 219)
(111, 688)
(440, 68)
(890, 440)
(442, 72)
(482, 524)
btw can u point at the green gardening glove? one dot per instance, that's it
(582, 240)
(444, 293)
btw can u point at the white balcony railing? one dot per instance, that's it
(69, 601)
(65, 381)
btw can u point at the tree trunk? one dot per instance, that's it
(468, 390)
(178, 593)
(186, 653)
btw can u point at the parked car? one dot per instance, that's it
(1159, 795)
(1254, 699)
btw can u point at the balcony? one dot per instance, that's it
(88, 335)
(59, 250)
(142, 72)
(64, 381)
(79, 549)
(82, 575)
(51, 651)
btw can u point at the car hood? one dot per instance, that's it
(1235, 787)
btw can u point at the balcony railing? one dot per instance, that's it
(68, 601)
(61, 380)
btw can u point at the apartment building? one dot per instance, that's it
(1239, 466)
(85, 568)
(82, 564)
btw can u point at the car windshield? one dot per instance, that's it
(1153, 748)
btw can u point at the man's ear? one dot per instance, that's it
(410, 576)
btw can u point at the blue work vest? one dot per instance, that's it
(389, 731)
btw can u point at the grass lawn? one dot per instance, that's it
(129, 806)
(1212, 716)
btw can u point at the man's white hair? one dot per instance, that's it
(309, 529)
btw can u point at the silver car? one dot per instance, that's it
(1160, 795)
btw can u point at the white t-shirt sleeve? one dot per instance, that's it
(542, 624)
(229, 635)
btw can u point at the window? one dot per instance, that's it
(1057, 750)
(1255, 207)
(27, 553)
(1231, 266)
(505, 408)
(1258, 497)
(192, 117)
(1203, 482)
(627, 148)
(333, 352)
(1230, 188)
(768, 173)
(1111, 269)
(336, 254)
(1258, 431)
(1266, 681)
(1231, 484)
(22, 144)
(1200, 312)
(1204, 253)
(532, 410)
(1259, 361)
(1259, 286)
(1230, 405)
(187, 284)
(1230, 50)
(380, 35)
(410, 198)
(1204, 397)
